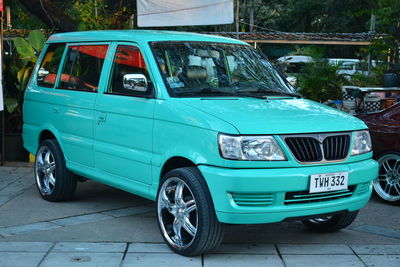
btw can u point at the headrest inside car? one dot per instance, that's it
(196, 73)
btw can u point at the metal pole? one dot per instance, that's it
(237, 19)
(371, 31)
(251, 19)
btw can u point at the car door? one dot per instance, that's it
(124, 127)
(75, 96)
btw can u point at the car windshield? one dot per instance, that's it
(192, 69)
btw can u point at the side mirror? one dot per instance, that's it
(135, 82)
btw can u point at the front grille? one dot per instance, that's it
(302, 197)
(319, 147)
(305, 149)
(336, 147)
(252, 200)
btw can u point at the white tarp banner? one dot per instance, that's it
(161, 13)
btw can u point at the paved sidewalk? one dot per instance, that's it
(104, 226)
(27, 254)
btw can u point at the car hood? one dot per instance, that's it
(276, 115)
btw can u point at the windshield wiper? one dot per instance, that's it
(214, 92)
(270, 91)
(240, 94)
(208, 91)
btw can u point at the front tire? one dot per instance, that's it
(331, 223)
(186, 214)
(54, 181)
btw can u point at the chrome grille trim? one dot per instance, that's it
(319, 148)
(303, 197)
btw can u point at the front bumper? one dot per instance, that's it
(249, 196)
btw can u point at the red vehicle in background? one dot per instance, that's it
(384, 128)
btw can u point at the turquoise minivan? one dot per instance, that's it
(203, 125)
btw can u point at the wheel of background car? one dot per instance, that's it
(186, 213)
(387, 184)
(331, 223)
(54, 181)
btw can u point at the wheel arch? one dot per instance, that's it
(48, 133)
(174, 163)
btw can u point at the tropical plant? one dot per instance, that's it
(19, 70)
(320, 81)
(374, 80)
(96, 15)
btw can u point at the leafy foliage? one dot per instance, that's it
(97, 15)
(320, 81)
(20, 69)
(374, 80)
(388, 21)
(22, 19)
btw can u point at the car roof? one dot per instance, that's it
(344, 60)
(295, 59)
(137, 36)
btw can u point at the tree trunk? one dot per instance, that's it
(50, 14)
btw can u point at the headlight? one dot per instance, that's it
(361, 143)
(250, 147)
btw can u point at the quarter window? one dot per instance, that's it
(46, 76)
(127, 60)
(82, 67)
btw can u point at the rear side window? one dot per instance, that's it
(46, 76)
(82, 67)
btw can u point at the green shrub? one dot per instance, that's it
(319, 81)
(374, 80)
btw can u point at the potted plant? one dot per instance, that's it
(17, 74)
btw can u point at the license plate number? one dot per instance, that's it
(325, 182)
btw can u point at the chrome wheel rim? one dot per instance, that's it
(387, 184)
(321, 219)
(177, 213)
(45, 170)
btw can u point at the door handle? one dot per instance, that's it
(56, 109)
(101, 117)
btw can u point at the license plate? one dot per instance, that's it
(325, 182)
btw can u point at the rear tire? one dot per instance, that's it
(186, 214)
(54, 181)
(331, 223)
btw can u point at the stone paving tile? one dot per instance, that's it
(234, 260)
(4, 200)
(152, 260)
(13, 181)
(127, 211)
(322, 260)
(314, 249)
(149, 248)
(84, 259)
(88, 218)
(266, 249)
(27, 228)
(17, 259)
(10, 174)
(25, 246)
(381, 260)
(89, 247)
(376, 249)
(377, 230)
(16, 187)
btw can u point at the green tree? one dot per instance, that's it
(388, 21)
